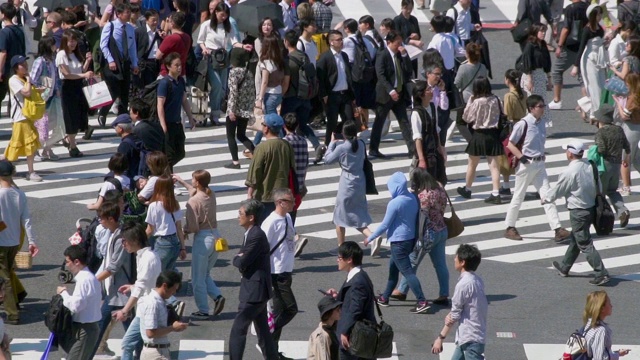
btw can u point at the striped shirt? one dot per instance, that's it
(599, 342)
(301, 157)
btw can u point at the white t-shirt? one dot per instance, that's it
(310, 48)
(216, 39)
(271, 67)
(147, 190)
(274, 227)
(161, 220)
(15, 85)
(106, 186)
(72, 62)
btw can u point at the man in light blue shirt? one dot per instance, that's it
(120, 58)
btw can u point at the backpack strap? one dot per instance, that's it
(596, 176)
(372, 40)
(115, 182)
(304, 49)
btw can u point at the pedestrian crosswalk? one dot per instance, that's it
(29, 349)
(78, 181)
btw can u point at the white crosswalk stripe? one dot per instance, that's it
(544, 351)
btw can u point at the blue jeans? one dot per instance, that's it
(203, 259)
(132, 340)
(468, 351)
(400, 263)
(218, 82)
(302, 109)
(270, 106)
(168, 248)
(438, 258)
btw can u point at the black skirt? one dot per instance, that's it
(365, 95)
(485, 142)
(74, 106)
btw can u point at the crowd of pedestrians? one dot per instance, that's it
(277, 83)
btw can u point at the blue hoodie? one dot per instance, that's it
(400, 219)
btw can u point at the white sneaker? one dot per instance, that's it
(300, 244)
(34, 177)
(177, 192)
(375, 246)
(553, 105)
(37, 158)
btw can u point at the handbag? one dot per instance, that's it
(97, 94)
(574, 34)
(458, 102)
(222, 245)
(455, 226)
(511, 158)
(616, 86)
(369, 176)
(605, 217)
(219, 59)
(521, 32)
(370, 340)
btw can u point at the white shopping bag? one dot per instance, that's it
(97, 95)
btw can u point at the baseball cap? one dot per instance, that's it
(327, 303)
(121, 119)
(575, 147)
(6, 168)
(273, 121)
(18, 59)
(605, 114)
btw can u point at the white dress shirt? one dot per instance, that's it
(446, 48)
(276, 227)
(341, 83)
(353, 272)
(86, 300)
(151, 33)
(463, 25)
(148, 267)
(349, 47)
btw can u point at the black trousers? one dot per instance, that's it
(118, 88)
(248, 313)
(338, 103)
(285, 307)
(399, 109)
(237, 129)
(149, 70)
(174, 143)
(4, 90)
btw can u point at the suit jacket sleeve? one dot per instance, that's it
(323, 77)
(356, 294)
(140, 41)
(380, 71)
(250, 252)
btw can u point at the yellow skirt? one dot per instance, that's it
(24, 140)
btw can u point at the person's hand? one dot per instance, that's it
(178, 326)
(394, 95)
(33, 250)
(27, 79)
(232, 117)
(192, 122)
(623, 352)
(206, 52)
(414, 36)
(344, 340)
(124, 289)
(422, 164)
(558, 51)
(478, 27)
(333, 137)
(240, 254)
(366, 241)
(183, 254)
(120, 315)
(332, 292)
(88, 75)
(177, 178)
(136, 70)
(112, 66)
(247, 47)
(402, 50)
(1, 76)
(515, 24)
(164, 128)
(79, 23)
(530, 84)
(574, 71)
(60, 289)
(524, 159)
(441, 85)
(436, 348)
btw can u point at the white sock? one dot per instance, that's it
(506, 185)
(495, 193)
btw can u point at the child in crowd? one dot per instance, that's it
(323, 341)
(117, 166)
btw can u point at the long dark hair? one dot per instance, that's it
(45, 48)
(421, 180)
(271, 51)
(64, 45)
(533, 34)
(481, 87)
(260, 34)
(628, 25)
(418, 90)
(368, 19)
(514, 76)
(350, 133)
(634, 44)
(593, 18)
(214, 19)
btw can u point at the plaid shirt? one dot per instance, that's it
(323, 16)
(301, 157)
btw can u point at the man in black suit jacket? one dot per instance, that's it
(392, 91)
(335, 88)
(356, 295)
(254, 264)
(148, 41)
(149, 132)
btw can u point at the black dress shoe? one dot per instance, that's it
(102, 121)
(88, 133)
(377, 154)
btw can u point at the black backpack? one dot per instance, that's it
(143, 168)
(58, 318)
(307, 86)
(89, 243)
(364, 68)
(134, 210)
(150, 97)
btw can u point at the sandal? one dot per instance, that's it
(65, 143)
(248, 154)
(75, 153)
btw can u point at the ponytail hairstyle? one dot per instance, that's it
(513, 77)
(368, 19)
(350, 132)
(204, 178)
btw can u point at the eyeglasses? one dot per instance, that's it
(286, 200)
(340, 258)
(436, 74)
(263, 124)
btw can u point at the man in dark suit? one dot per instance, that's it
(393, 69)
(356, 295)
(335, 88)
(254, 264)
(148, 41)
(144, 129)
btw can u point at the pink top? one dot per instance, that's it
(435, 201)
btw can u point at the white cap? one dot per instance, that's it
(575, 147)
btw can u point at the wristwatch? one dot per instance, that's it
(441, 337)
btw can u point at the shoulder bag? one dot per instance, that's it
(455, 226)
(521, 31)
(605, 217)
(369, 176)
(369, 340)
(458, 102)
(513, 160)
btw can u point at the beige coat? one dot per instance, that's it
(319, 345)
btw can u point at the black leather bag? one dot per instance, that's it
(605, 217)
(521, 32)
(457, 100)
(369, 340)
(574, 35)
(369, 176)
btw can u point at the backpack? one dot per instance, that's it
(308, 84)
(150, 97)
(143, 168)
(34, 106)
(134, 210)
(576, 347)
(363, 70)
(58, 318)
(86, 237)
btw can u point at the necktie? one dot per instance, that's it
(125, 43)
(399, 81)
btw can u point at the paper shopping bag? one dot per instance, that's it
(97, 95)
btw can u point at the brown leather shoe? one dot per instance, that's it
(512, 234)
(561, 234)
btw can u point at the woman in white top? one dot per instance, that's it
(265, 29)
(24, 135)
(73, 68)
(158, 165)
(215, 39)
(163, 223)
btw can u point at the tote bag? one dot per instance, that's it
(97, 95)
(455, 226)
